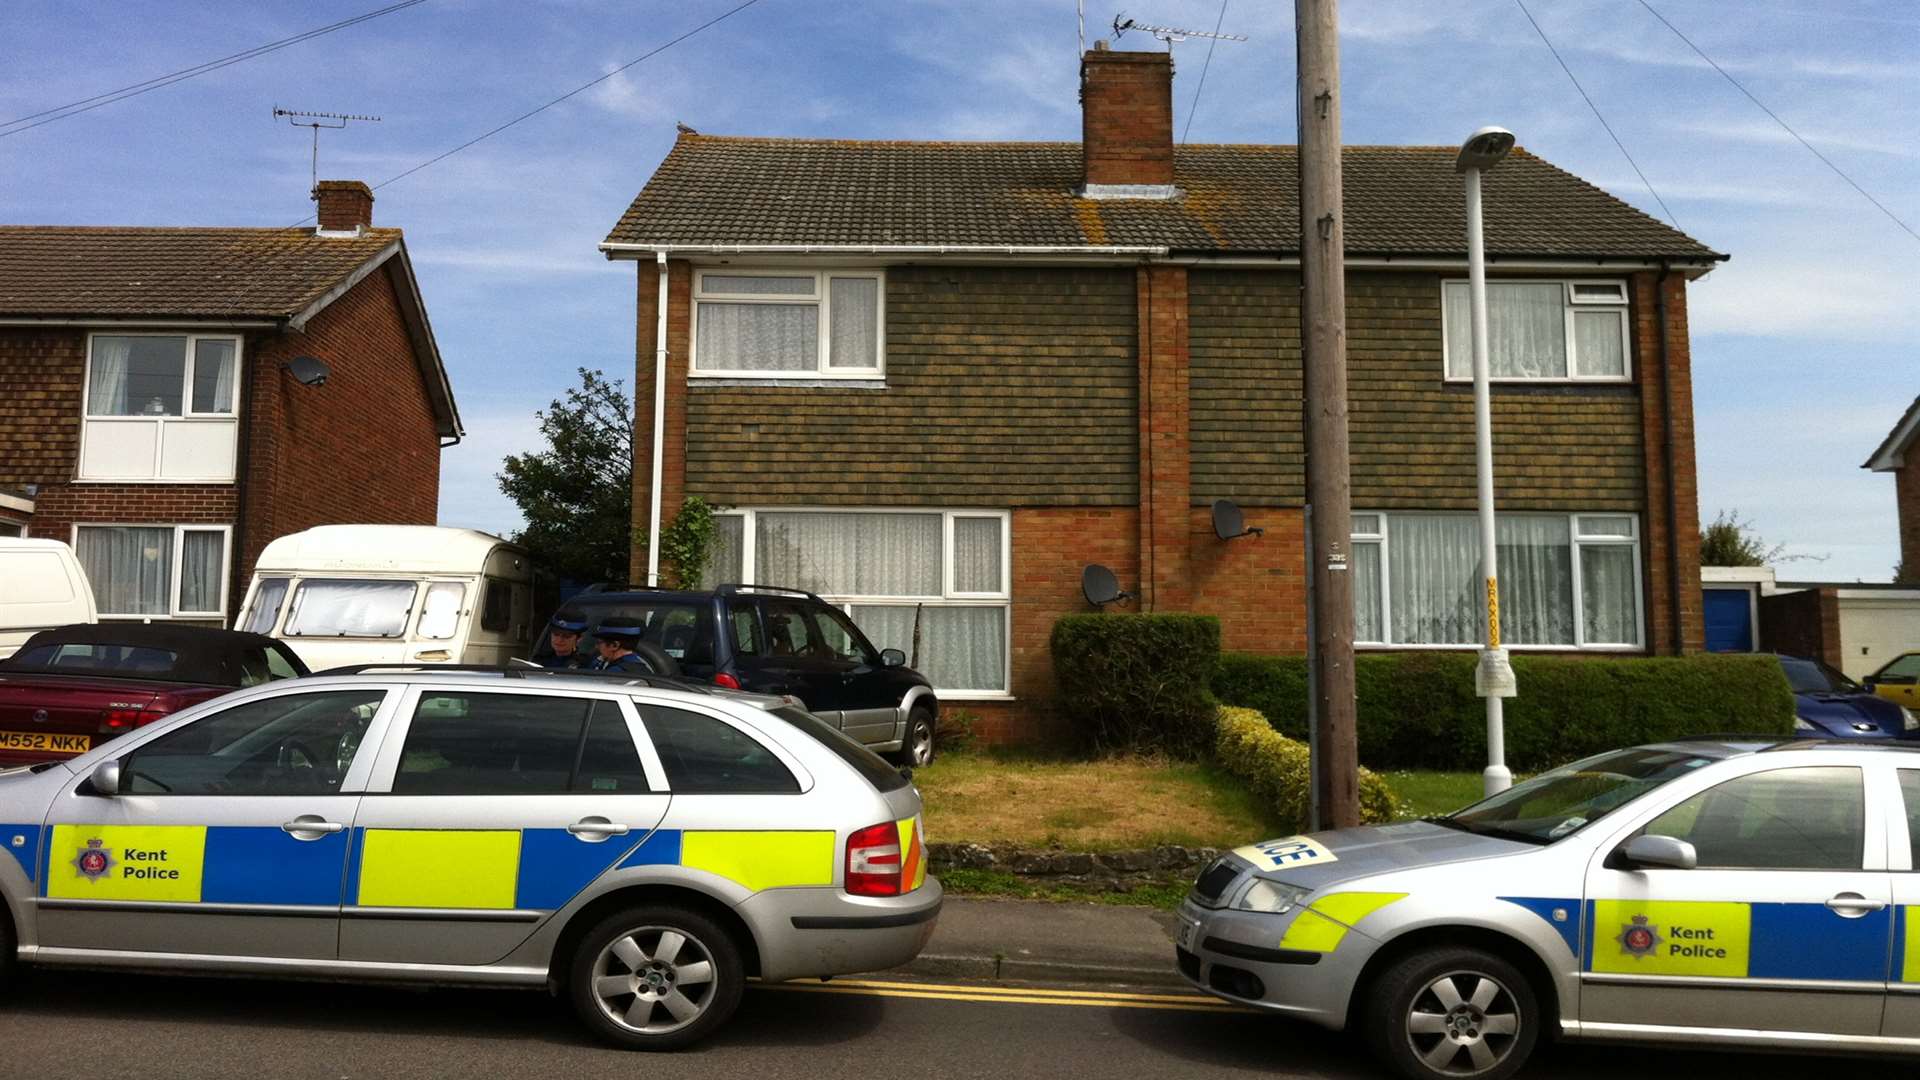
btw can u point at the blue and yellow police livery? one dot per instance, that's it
(648, 849)
(1749, 893)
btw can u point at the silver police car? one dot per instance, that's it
(1710, 892)
(639, 847)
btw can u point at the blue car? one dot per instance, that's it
(1828, 704)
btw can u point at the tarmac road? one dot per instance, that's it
(91, 1026)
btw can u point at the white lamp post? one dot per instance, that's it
(1493, 679)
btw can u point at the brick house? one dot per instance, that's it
(1899, 454)
(936, 380)
(153, 416)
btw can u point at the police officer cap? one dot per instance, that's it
(608, 630)
(570, 624)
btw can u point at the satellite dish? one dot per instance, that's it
(1229, 523)
(1100, 586)
(309, 371)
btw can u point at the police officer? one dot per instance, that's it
(563, 633)
(615, 644)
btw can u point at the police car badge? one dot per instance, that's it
(94, 860)
(1639, 937)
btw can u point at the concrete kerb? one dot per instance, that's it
(1042, 941)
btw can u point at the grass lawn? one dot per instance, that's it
(1423, 793)
(1107, 805)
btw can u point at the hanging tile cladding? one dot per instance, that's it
(1004, 387)
(1556, 447)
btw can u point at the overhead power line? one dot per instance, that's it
(1211, 42)
(1597, 114)
(74, 108)
(1824, 160)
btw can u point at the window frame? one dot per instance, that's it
(1576, 540)
(821, 298)
(353, 780)
(846, 602)
(160, 424)
(1568, 306)
(174, 610)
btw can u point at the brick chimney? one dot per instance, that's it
(344, 205)
(1126, 123)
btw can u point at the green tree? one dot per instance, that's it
(577, 494)
(1904, 574)
(1729, 541)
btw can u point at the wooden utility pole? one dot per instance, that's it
(1323, 321)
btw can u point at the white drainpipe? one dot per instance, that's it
(659, 421)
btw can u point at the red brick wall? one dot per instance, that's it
(1803, 623)
(1126, 117)
(673, 467)
(1684, 530)
(1165, 475)
(361, 449)
(41, 375)
(1906, 487)
(1257, 585)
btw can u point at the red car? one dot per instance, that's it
(74, 686)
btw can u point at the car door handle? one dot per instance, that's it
(311, 823)
(1850, 905)
(596, 828)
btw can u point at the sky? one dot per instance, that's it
(1806, 345)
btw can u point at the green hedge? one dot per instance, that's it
(1278, 770)
(1138, 683)
(1418, 710)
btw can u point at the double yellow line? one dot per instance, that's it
(1012, 995)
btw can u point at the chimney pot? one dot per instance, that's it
(1126, 122)
(345, 206)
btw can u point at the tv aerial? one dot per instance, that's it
(316, 121)
(1168, 34)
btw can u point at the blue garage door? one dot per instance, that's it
(1729, 616)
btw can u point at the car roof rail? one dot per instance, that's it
(1734, 736)
(770, 590)
(522, 671)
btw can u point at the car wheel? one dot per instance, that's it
(656, 978)
(918, 748)
(1453, 1012)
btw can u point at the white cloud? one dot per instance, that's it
(470, 495)
(623, 96)
(1818, 298)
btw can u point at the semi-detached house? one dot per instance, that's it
(156, 406)
(934, 380)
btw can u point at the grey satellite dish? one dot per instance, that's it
(1100, 586)
(308, 370)
(1229, 523)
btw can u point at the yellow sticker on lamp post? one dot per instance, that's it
(1672, 937)
(1493, 613)
(127, 862)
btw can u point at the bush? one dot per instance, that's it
(1138, 683)
(1279, 772)
(1418, 710)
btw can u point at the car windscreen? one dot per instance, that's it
(1812, 677)
(1564, 801)
(871, 766)
(345, 608)
(97, 658)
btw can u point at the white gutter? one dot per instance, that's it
(659, 419)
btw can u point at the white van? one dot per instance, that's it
(393, 594)
(41, 587)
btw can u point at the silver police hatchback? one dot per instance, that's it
(638, 846)
(1707, 892)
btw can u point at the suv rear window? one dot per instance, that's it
(871, 766)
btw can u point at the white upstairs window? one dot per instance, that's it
(161, 407)
(788, 324)
(1541, 330)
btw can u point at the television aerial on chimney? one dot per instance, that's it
(1168, 34)
(316, 121)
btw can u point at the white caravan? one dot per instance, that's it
(393, 594)
(41, 586)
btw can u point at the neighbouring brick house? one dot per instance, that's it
(938, 379)
(1899, 454)
(149, 416)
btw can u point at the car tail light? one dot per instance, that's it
(119, 721)
(726, 680)
(873, 861)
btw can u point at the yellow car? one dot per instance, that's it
(1898, 680)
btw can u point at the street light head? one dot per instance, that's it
(1483, 149)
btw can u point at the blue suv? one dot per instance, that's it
(773, 641)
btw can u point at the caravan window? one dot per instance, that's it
(367, 609)
(440, 614)
(266, 606)
(497, 613)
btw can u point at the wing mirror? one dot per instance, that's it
(106, 778)
(892, 658)
(1661, 851)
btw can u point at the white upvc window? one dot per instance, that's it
(948, 570)
(160, 407)
(789, 324)
(1567, 581)
(156, 571)
(1541, 330)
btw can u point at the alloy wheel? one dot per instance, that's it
(654, 980)
(1463, 1023)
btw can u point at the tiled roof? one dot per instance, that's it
(1401, 200)
(116, 272)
